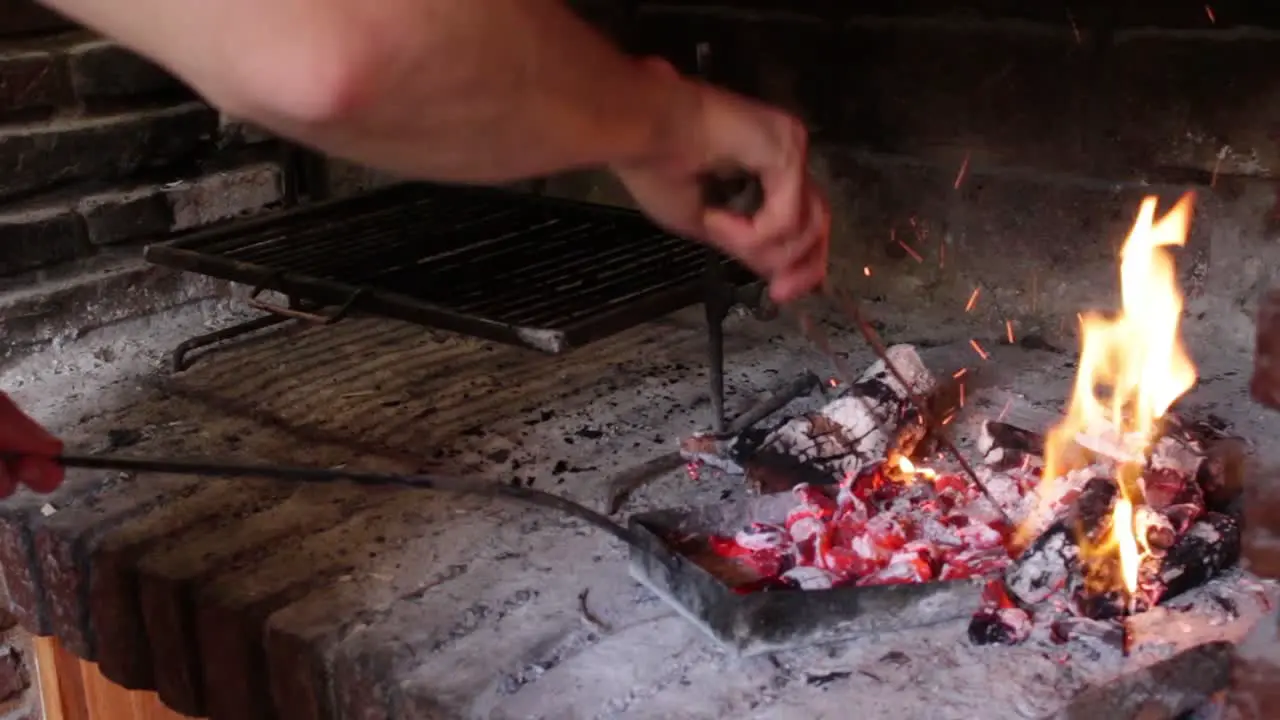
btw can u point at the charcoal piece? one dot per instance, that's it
(1167, 486)
(1211, 546)
(1004, 446)
(1106, 605)
(1181, 517)
(1221, 475)
(1045, 567)
(847, 434)
(1092, 510)
(1003, 626)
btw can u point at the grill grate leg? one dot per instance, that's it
(178, 360)
(719, 298)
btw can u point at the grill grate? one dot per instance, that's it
(548, 273)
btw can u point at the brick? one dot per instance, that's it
(23, 17)
(14, 677)
(36, 238)
(233, 132)
(102, 148)
(145, 212)
(17, 563)
(124, 652)
(201, 634)
(225, 195)
(100, 70)
(33, 80)
(112, 218)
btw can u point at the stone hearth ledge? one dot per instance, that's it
(340, 602)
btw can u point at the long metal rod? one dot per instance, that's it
(852, 309)
(318, 475)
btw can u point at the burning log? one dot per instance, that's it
(1045, 567)
(848, 434)
(1072, 558)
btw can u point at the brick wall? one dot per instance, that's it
(19, 691)
(100, 150)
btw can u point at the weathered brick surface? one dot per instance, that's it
(233, 132)
(112, 218)
(15, 677)
(26, 17)
(102, 148)
(39, 237)
(153, 210)
(103, 71)
(63, 230)
(33, 80)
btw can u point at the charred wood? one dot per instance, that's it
(1211, 546)
(1004, 446)
(1046, 566)
(1004, 626)
(855, 430)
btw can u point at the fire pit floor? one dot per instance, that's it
(416, 603)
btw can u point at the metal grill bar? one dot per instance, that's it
(548, 273)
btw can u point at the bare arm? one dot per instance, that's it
(453, 90)
(488, 91)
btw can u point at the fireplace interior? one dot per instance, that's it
(865, 500)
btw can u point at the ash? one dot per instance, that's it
(489, 610)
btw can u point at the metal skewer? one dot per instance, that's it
(319, 475)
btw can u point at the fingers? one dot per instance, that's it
(794, 261)
(33, 448)
(42, 476)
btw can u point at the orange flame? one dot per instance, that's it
(1132, 368)
(909, 469)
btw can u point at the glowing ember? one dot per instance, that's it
(911, 251)
(866, 270)
(978, 349)
(973, 300)
(1132, 368)
(964, 166)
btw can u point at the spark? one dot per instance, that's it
(911, 251)
(964, 166)
(866, 270)
(973, 299)
(833, 382)
(961, 394)
(947, 420)
(1217, 164)
(1005, 410)
(959, 373)
(978, 349)
(1208, 10)
(1008, 330)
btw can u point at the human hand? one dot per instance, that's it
(33, 446)
(714, 131)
